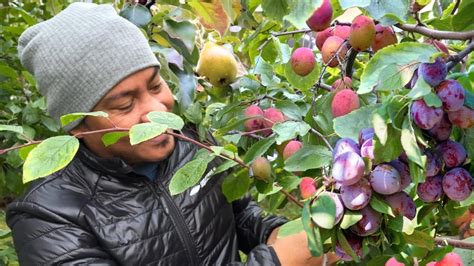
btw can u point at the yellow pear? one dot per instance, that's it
(217, 64)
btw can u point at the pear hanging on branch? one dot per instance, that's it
(217, 64)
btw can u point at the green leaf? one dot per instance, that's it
(283, 50)
(394, 77)
(345, 4)
(290, 228)
(463, 19)
(323, 211)
(341, 238)
(168, 119)
(112, 137)
(145, 131)
(349, 126)
(224, 166)
(68, 118)
(267, 74)
(312, 232)
(299, 82)
(137, 14)
(24, 151)
(410, 145)
(290, 130)
(308, 157)
(8, 72)
(432, 100)
(392, 148)
(402, 224)
(275, 9)
(301, 11)
(16, 129)
(380, 121)
(290, 109)
(380, 206)
(467, 255)
(405, 54)
(236, 185)
(183, 31)
(49, 156)
(258, 149)
(469, 100)
(425, 211)
(389, 11)
(187, 176)
(187, 88)
(420, 89)
(420, 239)
(350, 218)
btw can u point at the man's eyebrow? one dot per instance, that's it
(153, 76)
(114, 97)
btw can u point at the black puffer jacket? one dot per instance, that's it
(97, 211)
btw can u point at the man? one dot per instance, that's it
(111, 205)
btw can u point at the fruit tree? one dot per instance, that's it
(354, 118)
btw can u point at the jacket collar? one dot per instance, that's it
(110, 166)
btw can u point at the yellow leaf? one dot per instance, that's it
(211, 15)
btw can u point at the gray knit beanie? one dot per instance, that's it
(80, 54)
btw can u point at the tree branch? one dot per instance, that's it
(436, 34)
(454, 59)
(350, 62)
(446, 241)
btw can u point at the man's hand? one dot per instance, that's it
(293, 250)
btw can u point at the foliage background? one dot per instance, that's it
(177, 30)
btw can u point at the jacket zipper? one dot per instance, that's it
(183, 232)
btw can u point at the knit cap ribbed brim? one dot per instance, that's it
(80, 54)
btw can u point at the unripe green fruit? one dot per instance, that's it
(362, 33)
(262, 169)
(330, 48)
(321, 17)
(302, 61)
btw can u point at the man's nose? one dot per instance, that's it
(152, 104)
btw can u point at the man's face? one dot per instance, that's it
(127, 104)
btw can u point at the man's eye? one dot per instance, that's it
(156, 88)
(125, 107)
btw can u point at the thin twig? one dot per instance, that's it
(322, 137)
(456, 5)
(292, 198)
(454, 59)
(20, 146)
(436, 34)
